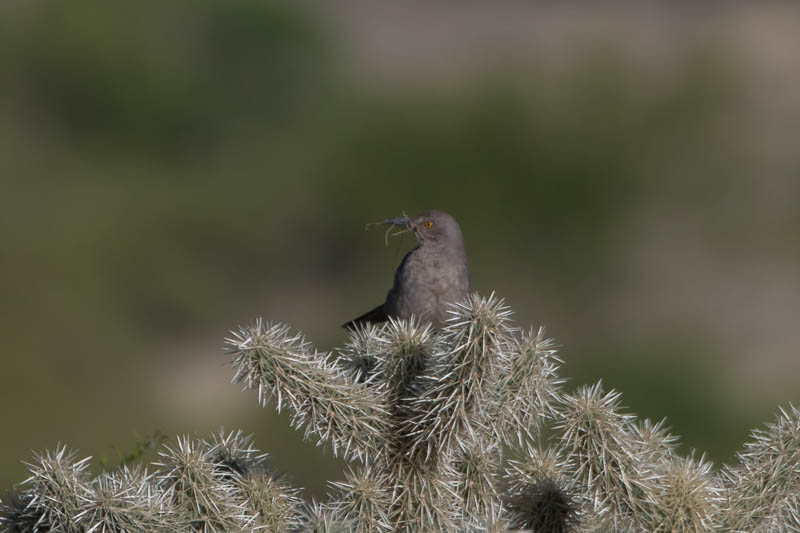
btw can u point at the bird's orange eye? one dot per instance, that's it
(429, 224)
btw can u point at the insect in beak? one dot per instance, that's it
(392, 222)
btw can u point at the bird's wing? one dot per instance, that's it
(376, 315)
(379, 314)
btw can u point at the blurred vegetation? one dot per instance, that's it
(171, 169)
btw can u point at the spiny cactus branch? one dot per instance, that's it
(320, 396)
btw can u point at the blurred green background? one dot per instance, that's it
(627, 176)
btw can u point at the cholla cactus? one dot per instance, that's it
(59, 484)
(762, 492)
(444, 429)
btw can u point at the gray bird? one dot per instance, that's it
(431, 276)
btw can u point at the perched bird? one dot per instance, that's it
(431, 276)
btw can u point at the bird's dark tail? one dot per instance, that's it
(375, 316)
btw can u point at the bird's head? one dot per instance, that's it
(432, 227)
(435, 226)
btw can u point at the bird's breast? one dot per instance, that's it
(426, 282)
